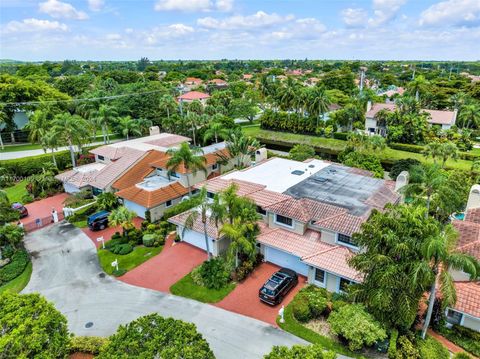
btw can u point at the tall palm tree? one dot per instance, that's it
(191, 159)
(433, 149)
(50, 141)
(129, 126)
(448, 150)
(318, 102)
(194, 120)
(167, 103)
(418, 86)
(123, 217)
(240, 146)
(470, 115)
(108, 114)
(241, 240)
(215, 130)
(37, 125)
(439, 256)
(425, 180)
(70, 129)
(144, 125)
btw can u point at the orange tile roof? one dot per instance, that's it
(265, 198)
(151, 199)
(179, 220)
(468, 298)
(343, 223)
(468, 238)
(219, 184)
(210, 159)
(139, 171)
(334, 260)
(193, 95)
(304, 209)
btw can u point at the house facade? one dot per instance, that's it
(309, 212)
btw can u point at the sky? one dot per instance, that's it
(37, 30)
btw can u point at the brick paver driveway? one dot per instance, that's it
(43, 208)
(108, 232)
(165, 269)
(244, 298)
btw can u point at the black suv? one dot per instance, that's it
(98, 221)
(277, 287)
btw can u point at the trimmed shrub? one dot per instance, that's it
(197, 276)
(392, 345)
(149, 239)
(302, 152)
(214, 273)
(12, 270)
(463, 337)
(89, 345)
(341, 135)
(300, 351)
(181, 207)
(122, 249)
(432, 349)
(301, 310)
(407, 147)
(358, 327)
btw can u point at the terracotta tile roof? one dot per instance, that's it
(219, 184)
(473, 215)
(110, 152)
(384, 195)
(334, 260)
(377, 107)
(115, 169)
(213, 157)
(468, 298)
(163, 164)
(468, 238)
(342, 223)
(193, 95)
(193, 81)
(218, 82)
(265, 198)
(440, 117)
(180, 219)
(76, 178)
(296, 244)
(169, 141)
(247, 76)
(304, 209)
(151, 199)
(139, 170)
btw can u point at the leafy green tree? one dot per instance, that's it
(191, 159)
(243, 108)
(107, 114)
(357, 326)
(128, 126)
(241, 147)
(314, 351)
(11, 234)
(391, 245)
(469, 115)
(302, 152)
(418, 85)
(31, 327)
(439, 256)
(122, 217)
(153, 336)
(167, 103)
(215, 130)
(107, 201)
(70, 129)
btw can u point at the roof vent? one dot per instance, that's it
(298, 173)
(311, 166)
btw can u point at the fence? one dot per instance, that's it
(38, 223)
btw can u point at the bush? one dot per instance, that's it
(364, 161)
(149, 239)
(135, 236)
(12, 270)
(28, 166)
(243, 270)
(301, 309)
(89, 345)
(288, 122)
(463, 337)
(392, 345)
(214, 273)
(302, 152)
(341, 135)
(121, 249)
(462, 355)
(299, 352)
(407, 147)
(197, 276)
(402, 165)
(27, 198)
(431, 349)
(406, 348)
(357, 326)
(181, 207)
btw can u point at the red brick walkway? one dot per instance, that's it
(244, 298)
(165, 269)
(108, 232)
(43, 207)
(445, 342)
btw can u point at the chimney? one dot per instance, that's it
(154, 130)
(369, 105)
(402, 180)
(474, 197)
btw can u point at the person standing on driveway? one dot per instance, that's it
(54, 215)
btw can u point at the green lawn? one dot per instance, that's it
(291, 325)
(334, 146)
(17, 284)
(15, 193)
(22, 147)
(185, 287)
(128, 261)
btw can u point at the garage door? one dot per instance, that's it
(139, 210)
(197, 239)
(286, 260)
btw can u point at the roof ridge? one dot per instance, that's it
(344, 211)
(321, 252)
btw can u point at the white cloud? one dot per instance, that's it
(33, 25)
(257, 20)
(158, 35)
(301, 29)
(384, 11)
(58, 9)
(355, 17)
(194, 5)
(96, 5)
(452, 12)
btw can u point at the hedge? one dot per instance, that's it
(341, 135)
(290, 122)
(16, 267)
(91, 345)
(181, 207)
(419, 149)
(432, 349)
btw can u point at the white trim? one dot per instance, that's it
(351, 246)
(316, 282)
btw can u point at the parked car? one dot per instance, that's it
(278, 286)
(98, 220)
(20, 208)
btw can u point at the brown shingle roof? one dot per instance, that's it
(468, 298)
(139, 170)
(151, 199)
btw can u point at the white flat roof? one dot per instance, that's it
(276, 173)
(96, 166)
(153, 183)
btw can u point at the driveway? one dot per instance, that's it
(66, 272)
(173, 263)
(108, 232)
(244, 298)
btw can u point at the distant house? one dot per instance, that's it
(445, 119)
(391, 91)
(192, 96)
(193, 81)
(247, 77)
(219, 83)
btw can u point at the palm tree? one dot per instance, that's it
(439, 256)
(470, 115)
(167, 103)
(122, 217)
(241, 240)
(129, 126)
(144, 125)
(215, 130)
(433, 149)
(448, 150)
(191, 159)
(424, 182)
(240, 146)
(3, 120)
(418, 85)
(50, 141)
(193, 120)
(108, 114)
(37, 126)
(204, 210)
(318, 102)
(71, 129)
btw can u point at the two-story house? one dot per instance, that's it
(309, 212)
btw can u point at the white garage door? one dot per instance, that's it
(286, 260)
(139, 210)
(197, 239)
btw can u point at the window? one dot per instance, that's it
(168, 203)
(214, 166)
(283, 220)
(319, 276)
(343, 284)
(342, 238)
(261, 211)
(210, 195)
(101, 158)
(174, 174)
(454, 317)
